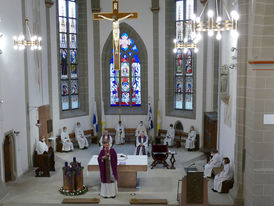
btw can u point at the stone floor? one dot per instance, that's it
(156, 183)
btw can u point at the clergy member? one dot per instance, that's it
(67, 144)
(215, 161)
(190, 141)
(106, 138)
(41, 146)
(120, 133)
(141, 128)
(169, 139)
(107, 161)
(141, 144)
(80, 136)
(225, 174)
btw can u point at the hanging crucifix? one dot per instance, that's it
(115, 17)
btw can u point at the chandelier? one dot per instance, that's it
(20, 43)
(216, 24)
(210, 25)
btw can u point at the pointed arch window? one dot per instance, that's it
(125, 84)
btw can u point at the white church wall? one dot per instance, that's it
(144, 27)
(12, 80)
(227, 112)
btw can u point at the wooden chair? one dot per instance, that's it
(59, 144)
(159, 155)
(90, 135)
(161, 135)
(45, 162)
(130, 134)
(227, 185)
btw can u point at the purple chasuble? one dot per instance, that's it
(113, 163)
(143, 147)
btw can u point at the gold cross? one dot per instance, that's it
(115, 17)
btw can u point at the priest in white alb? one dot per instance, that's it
(141, 144)
(41, 146)
(190, 141)
(215, 161)
(67, 144)
(169, 139)
(80, 136)
(141, 128)
(225, 174)
(120, 133)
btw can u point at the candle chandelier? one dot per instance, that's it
(20, 43)
(210, 25)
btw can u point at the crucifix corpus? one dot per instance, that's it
(115, 17)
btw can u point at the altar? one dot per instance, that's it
(128, 166)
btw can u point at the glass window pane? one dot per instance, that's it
(189, 9)
(64, 88)
(125, 42)
(179, 84)
(74, 102)
(62, 8)
(125, 84)
(125, 99)
(114, 91)
(63, 40)
(179, 61)
(73, 41)
(136, 70)
(179, 10)
(72, 26)
(65, 102)
(72, 10)
(179, 31)
(74, 87)
(179, 101)
(136, 98)
(125, 69)
(188, 67)
(62, 24)
(189, 82)
(73, 58)
(188, 102)
(134, 48)
(74, 71)
(64, 71)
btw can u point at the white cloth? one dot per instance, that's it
(140, 128)
(80, 136)
(169, 139)
(145, 143)
(225, 174)
(215, 161)
(190, 141)
(41, 147)
(120, 134)
(101, 141)
(67, 144)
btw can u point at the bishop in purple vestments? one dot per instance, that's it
(141, 144)
(107, 161)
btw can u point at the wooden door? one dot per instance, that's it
(7, 159)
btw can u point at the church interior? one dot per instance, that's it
(188, 79)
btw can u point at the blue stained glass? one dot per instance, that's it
(125, 42)
(125, 99)
(64, 87)
(130, 53)
(65, 102)
(63, 40)
(125, 85)
(125, 69)
(134, 48)
(74, 87)
(73, 56)
(135, 58)
(74, 102)
(136, 70)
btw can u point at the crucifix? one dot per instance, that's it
(115, 17)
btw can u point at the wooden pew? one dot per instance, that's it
(45, 162)
(181, 136)
(161, 135)
(130, 134)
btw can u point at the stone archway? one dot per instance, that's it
(10, 170)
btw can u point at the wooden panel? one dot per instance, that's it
(261, 62)
(81, 201)
(127, 179)
(148, 201)
(210, 131)
(44, 116)
(122, 168)
(7, 159)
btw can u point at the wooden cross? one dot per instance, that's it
(115, 17)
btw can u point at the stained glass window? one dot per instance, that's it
(125, 84)
(184, 79)
(68, 36)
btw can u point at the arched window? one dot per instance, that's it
(125, 90)
(125, 84)
(184, 57)
(68, 48)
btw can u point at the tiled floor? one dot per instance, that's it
(156, 183)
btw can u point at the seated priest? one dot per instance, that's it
(169, 139)
(107, 161)
(105, 138)
(141, 144)
(41, 146)
(215, 161)
(225, 174)
(120, 133)
(67, 144)
(141, 128)
(80, 136)
(190, 141)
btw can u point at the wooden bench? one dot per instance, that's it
(217, 170)
(45, 162)
(161, 135)
(135, 201)
(181, 136)
(130, 134)
(81, 201)
(111, 132)
(227, 184)
(88, 133)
